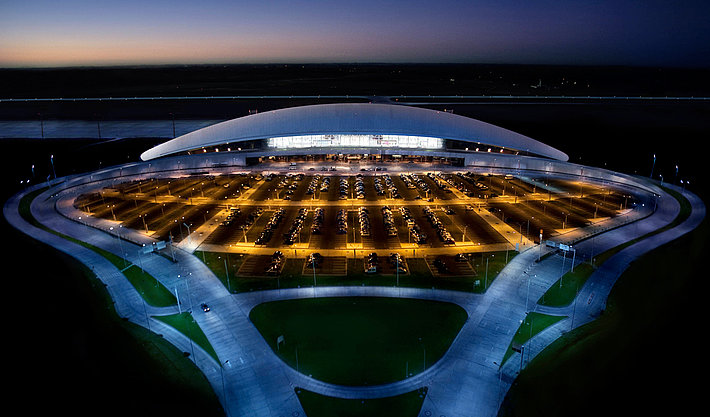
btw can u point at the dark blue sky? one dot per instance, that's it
(606, 32)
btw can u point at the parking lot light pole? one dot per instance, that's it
(398, 271)
(314, 275)
(178, 299)
(226, 272)
(564, 253)
(140, 257)
(120, 244)
(485, 285)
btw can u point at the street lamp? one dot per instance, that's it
(485, 285)
(51, 159)
(120, 244)
(188, 230)
(653, 166)
(424, 348)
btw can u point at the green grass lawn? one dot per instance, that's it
(563, 292)
(359, 340)
(152, 291)
(404, 405)
(533, 324)
(185, 324)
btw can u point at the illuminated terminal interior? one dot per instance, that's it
(320, 141)
(356, 146)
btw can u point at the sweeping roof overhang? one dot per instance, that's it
(353, 118)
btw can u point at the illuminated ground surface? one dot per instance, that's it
(467, 379)
(481, 213)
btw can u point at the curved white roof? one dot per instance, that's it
(353, 118)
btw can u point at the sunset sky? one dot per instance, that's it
(39, 33)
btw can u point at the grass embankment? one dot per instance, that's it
(564, 291)
(359, 340)
(419, 275)
(637, 358)
(185, 324)
(152, 291)
(404, 405)
(533, 324)
(72, 336)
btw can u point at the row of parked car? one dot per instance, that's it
(248, 220)
(313, 185)
(408, 181)
(324, 185)
(394, 192)
(233, 212)
(388, 220)
(277, 262)
(284, 183)
(343, 189)
(292, 234)
(379, 188)
(414, 231)
(342, 219)
(398, 263)
(419, 181)
(439, 181)
(370, 263)
(268, 231)
(318, 217)
(471, 178)
(436, 223)
(363, 215)
(359, 187)
(314, 260)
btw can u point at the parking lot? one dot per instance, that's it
(339, 214)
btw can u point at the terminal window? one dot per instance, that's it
(356, 141)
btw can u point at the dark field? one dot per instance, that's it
(351, 79)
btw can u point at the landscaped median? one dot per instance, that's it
(186, 324)
(564, 291)
(533, 324)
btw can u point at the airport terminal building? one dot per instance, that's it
(355, 131)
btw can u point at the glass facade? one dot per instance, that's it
(355, 141)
